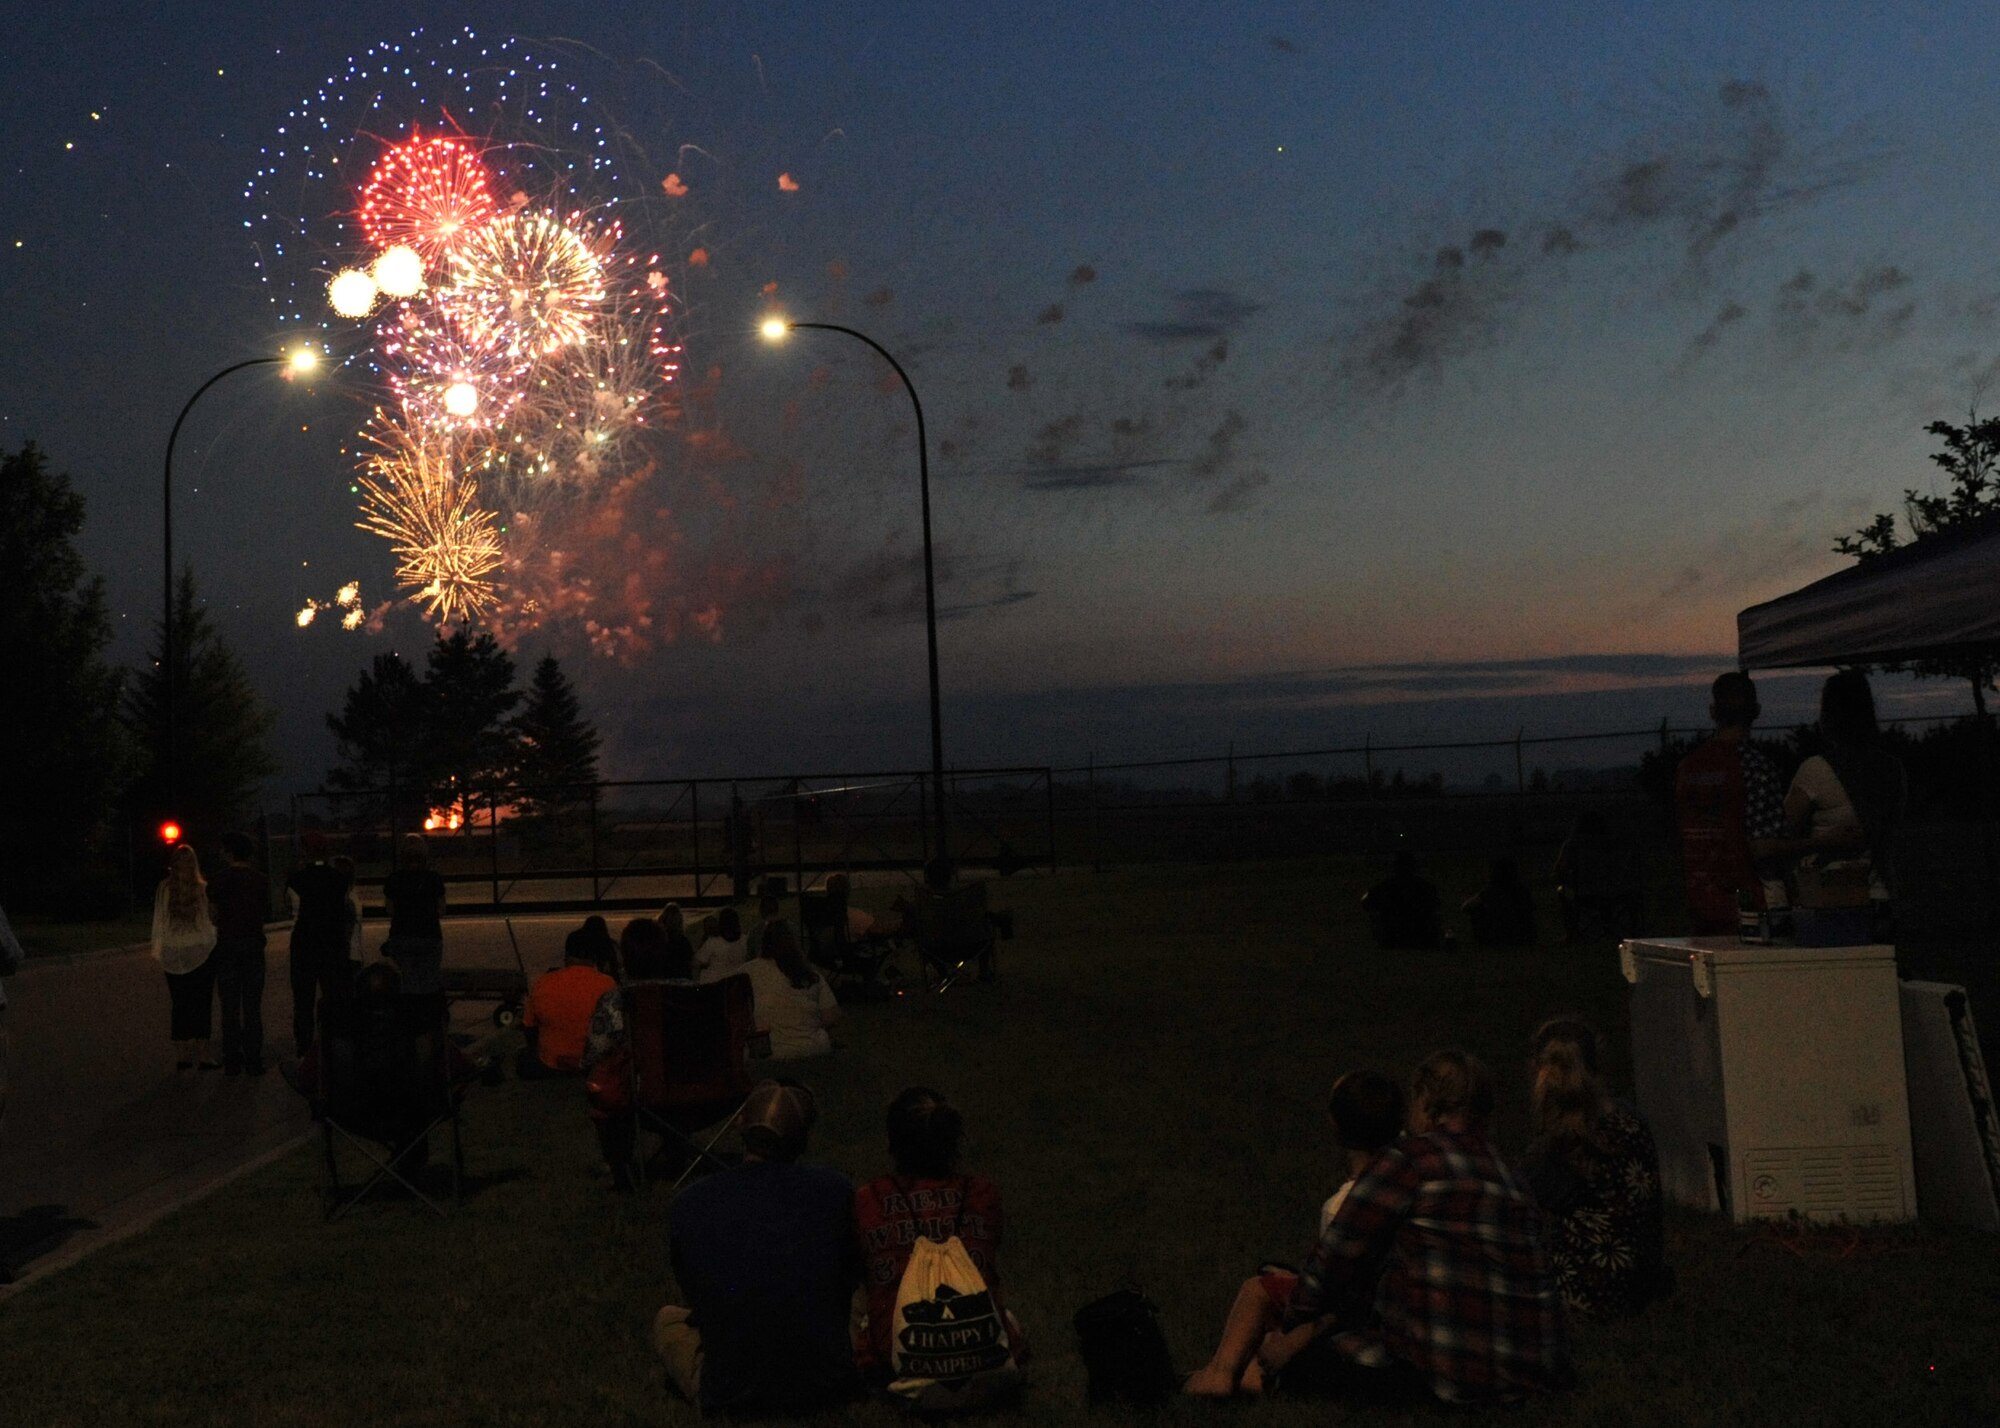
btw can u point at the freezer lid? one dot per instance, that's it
(1726, 954)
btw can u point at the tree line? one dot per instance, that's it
(83, 780)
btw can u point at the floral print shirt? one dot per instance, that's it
(1603, 1207)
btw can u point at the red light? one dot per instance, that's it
(170, 832)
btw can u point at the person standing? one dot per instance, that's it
(318, 893)
(240, 896)
(183, 941)
(1845, 805)
(415, 896)
(1728, 796)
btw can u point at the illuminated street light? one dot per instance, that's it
(299, 360)
(775, 329)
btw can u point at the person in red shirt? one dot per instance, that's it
(926, 1197)
(557, 1016)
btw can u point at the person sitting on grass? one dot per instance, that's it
(1502, 914)
(1594, 1168)
(724, 951)
(1438, 1254)
(1366, 1109)
(925, 1197)
(790, 1000)
(556, 1018)
(1403, 908)
(673, 922)
(767, 1262)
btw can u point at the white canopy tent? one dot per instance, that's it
(1931, 600)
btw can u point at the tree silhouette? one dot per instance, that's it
(382, 732)
(222, 732)
(469, 689)
(62, 751)
(1971, 458)
(557, 745)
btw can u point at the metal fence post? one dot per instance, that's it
(1049, 789)
(1520, 774)
(923, 823)
(1090, 793)
(798, 839)
(694, 813)
(493, 842)
(593, 844)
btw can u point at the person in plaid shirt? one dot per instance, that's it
(1466, 1304)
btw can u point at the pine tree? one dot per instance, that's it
(62, 752)
(469, 696)
(221, 728)
(558, 746)
(382, 730)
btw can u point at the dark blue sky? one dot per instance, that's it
(1414, 335)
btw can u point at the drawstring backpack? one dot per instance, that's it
(948, 1347)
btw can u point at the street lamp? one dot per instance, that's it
(775, 329)
(298, 361)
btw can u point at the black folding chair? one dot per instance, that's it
(384, 1086)
(691, 1048)
(953, 929)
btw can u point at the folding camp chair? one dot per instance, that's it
(952, 928)
(384, 1085)
(691, 1048)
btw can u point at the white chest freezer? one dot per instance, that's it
(1773, 1077)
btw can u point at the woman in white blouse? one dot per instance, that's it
(790, 1000)
(1846, 804)
(183, 937)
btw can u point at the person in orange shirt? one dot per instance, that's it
(557, 1016)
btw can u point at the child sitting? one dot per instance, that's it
(1366, 1108)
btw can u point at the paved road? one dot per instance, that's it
(103, 1136)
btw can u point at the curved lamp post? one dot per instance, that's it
(300, 360)
(776, 329)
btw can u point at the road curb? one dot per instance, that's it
(60, 1260)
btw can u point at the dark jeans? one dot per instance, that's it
(316, 970)
(239, 979)
(192, 995)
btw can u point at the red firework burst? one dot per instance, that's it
(430, 193)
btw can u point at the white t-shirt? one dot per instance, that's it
(1833, 812)
(796, 1017)
(718, 957)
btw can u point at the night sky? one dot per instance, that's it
(1292, 371)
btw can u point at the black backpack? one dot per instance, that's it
(1124, 1351)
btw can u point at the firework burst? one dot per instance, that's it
(426, 194)
(416, 496)
(528, 284)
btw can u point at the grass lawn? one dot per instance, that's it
(1145, 1082)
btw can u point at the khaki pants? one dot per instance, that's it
(678, 1343)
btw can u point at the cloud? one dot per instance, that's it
(1731, 314)
(1055, 440)
(1088, 477)
(1812, 317)
(1202, 368)
(1199, 315)
(1220, 447)
(998, 602)
(1238, 494)
(1706, 170)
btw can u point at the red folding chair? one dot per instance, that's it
(691, 1049)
